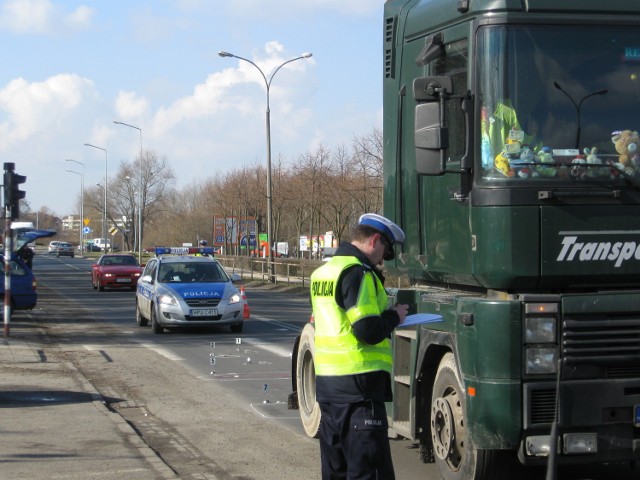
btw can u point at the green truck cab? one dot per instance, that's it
(512, 162)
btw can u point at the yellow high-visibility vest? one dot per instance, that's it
(338, 351)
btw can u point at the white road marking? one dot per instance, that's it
(280, 351)
(162, 351)
(288, 326)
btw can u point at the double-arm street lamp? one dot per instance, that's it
(81, 201)
(267, 83)
(139, 191)
(104, 218)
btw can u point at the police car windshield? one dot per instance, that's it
(191, 272)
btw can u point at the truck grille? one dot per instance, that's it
(602, 344)
(543, 406)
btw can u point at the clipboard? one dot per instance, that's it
(419, 318)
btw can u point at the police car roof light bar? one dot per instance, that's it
(184, 251)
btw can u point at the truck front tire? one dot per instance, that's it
(306, 382)
(455, 455)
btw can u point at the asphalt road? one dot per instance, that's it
(179, 379)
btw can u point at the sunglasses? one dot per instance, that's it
(388, 250)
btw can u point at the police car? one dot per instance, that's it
(178, 289)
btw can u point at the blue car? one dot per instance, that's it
(23, 282)
(23, 285)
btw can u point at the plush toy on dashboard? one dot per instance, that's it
(578, 168)
(546, 167)
(627, 144)
(523, 165)
(510, 153)
(593, 159)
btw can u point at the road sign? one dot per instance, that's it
(86, 230)
(113, 230)
(86, 221)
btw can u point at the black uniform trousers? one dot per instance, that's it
(354, 442)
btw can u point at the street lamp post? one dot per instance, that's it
(81, 202)
(104, 219)
(139, 190)
(578, 105)
(267, 83)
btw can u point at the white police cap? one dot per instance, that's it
(385, 226)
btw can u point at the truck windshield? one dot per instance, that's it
(559, 104)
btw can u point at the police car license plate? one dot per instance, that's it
(204, 312)
(123, 280)
(636, 416)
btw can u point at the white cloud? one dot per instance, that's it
(129, 105)
(38, 17)
(216, 95)
(39, 106)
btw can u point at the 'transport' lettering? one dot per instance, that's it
(617, 252)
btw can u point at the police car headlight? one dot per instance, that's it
(235, 298)
(167, 300)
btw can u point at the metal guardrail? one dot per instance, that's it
(289, 272)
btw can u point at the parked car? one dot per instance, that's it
(90, 247)
(61, 249)
(115, 271)
(23, 285)
(23, 282)
(177, 291)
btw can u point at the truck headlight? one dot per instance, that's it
(540, 330)
(577, 443)
(541, 360)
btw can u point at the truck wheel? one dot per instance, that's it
(306, 382)
(455, 455)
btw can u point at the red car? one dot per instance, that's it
(115, 271)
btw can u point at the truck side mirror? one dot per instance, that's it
(430, 140)
(431, 135)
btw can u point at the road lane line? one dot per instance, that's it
(295, 328)
(280, 351)
(162, 351)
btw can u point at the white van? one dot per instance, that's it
(101, 243)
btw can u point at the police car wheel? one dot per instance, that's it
(306, 382)
(157, 328)
(140, 320)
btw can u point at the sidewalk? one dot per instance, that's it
(54, 424)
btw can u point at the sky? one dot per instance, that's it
(69, 69)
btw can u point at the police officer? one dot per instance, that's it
(352, 359)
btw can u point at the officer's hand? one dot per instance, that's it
(402, 309)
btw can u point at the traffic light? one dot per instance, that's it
(12, 192)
